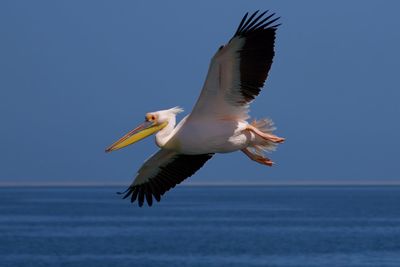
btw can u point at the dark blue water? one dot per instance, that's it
(202, 226)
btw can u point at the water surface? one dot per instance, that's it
(202, 226)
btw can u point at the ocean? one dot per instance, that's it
(202, 226)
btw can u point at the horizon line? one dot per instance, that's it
(189, 184)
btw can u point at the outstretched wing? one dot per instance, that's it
(161, 172)
(239, 69)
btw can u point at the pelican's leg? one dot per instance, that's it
(257, 158)
(266, 136)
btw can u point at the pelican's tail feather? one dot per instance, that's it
(261, 145)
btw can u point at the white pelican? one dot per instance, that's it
(218, 122)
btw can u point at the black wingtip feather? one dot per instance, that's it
(241, 23)
(141, 196)
(249, 20)
(127, 194)
(251, 24)
(124, 192)
(135, 193)
(254, 21)
(149, 197)
(276, 25)
(270, 22)
(258, 25)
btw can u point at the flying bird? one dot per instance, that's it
(218, 122)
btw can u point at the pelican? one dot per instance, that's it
(218, 122)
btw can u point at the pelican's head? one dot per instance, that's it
(154, 122)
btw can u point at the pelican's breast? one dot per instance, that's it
(210, 136)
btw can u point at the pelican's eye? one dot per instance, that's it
(151, 117)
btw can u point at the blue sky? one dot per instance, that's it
(76, 75)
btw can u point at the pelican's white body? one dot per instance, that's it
(205, 136)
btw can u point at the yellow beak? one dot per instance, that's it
(142, 131)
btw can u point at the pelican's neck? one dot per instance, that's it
(165, 134)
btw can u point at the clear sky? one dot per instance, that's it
(76, 75)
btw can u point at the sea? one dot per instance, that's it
(201, 226)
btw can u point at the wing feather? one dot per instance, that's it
(161, 172)
(239, 69)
